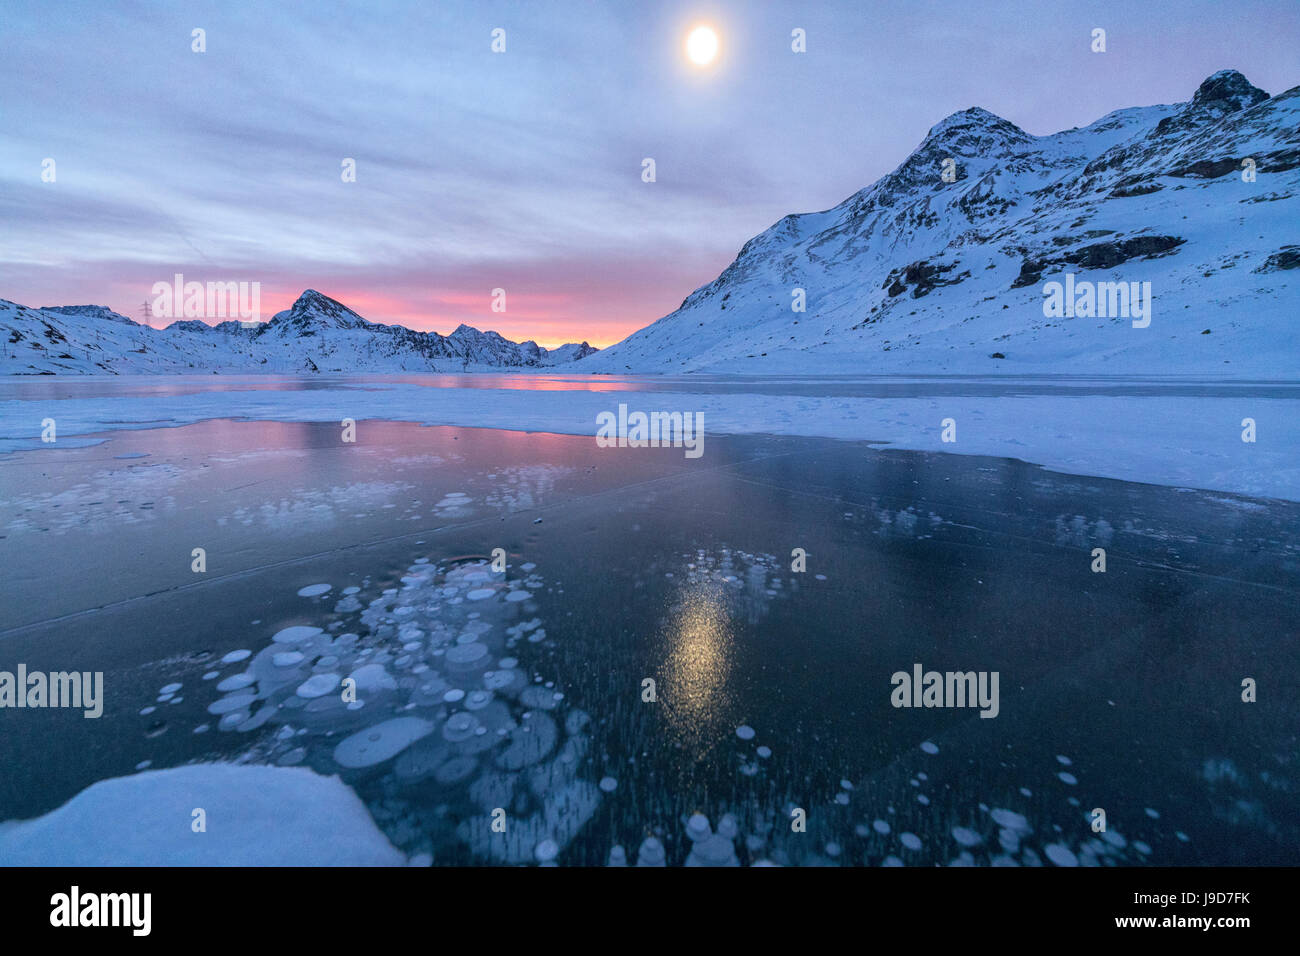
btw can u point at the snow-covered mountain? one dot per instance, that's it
(316, 334)
(918, 273)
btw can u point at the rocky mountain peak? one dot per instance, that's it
(313, 307)
(1228, 89)
(974, 124)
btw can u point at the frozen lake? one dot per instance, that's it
(523, 691)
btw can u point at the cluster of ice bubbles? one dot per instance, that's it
(1008, 838)
(446, 730)
(707, 847)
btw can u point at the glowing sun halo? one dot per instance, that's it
(702, 45)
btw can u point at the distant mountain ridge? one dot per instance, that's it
(315, 334)
(919, 272)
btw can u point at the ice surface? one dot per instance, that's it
(1107, 432)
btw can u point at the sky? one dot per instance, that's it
(521, 170)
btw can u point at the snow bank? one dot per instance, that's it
(256, 816)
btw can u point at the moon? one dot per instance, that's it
(702, 45)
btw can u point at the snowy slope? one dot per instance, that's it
(316, 334)
(271, 816)
(917, 274)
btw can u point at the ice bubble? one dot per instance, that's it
(515, 596)
(880, 826)
(293, 635)
(764, 752)
(376, 744)
(454, 695)
(460, 726)
(313, 590)
(232, 720)
(455, 770)
(420, 760)
(507, 663)
(540, 697)
(910, 840)
(922, 799)
(224, 705)
(467, 655)
(201, 729)
(1142, 848)
(891, 861)
(1060, 855)
(1068, 778)
(832, 849)
(1153, 814)
(608, 784)
(212, 675)
(170, 689)
(235, 682)
(528, 567)
(292, 758)
(546, 850)
(1011, 820)
(929, 747)
(1182, 836)
(477, 700)
(1063, 761)
(479, 594)
(352, 590)
(373, 677)
(697, 827)
(146, 711)
(617, 856)
(843, 799)
(287, 658)
(651, 853)
(318, 685)
(529, 742)
(745, 732)
(142, 764)
(713, 851)
(966, 837)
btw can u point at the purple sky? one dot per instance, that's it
(520, 170)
